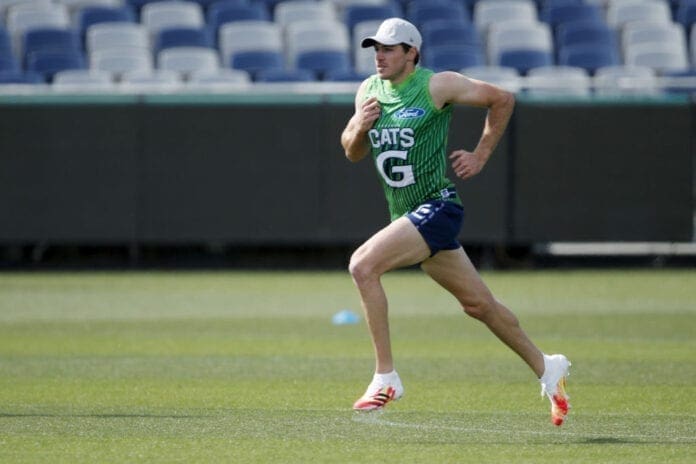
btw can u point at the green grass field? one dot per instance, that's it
(247, 367)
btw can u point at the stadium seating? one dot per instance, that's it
(671, 35)
(507, 78)
(5, 42)
(322, 61)
(420, 13)
(449, 32)
(585, 33)
(359, 12)
(82, 80)
(524, 60)
(222, 12)
(692, 43)
(625, 80)
(47, 63)
(290, 11)
(217, 80)
(8, 63)
(487, 12)
(484, 36)
(518, 35)
(253, 61)
(160, 15)
(24, 17)
(558, 13)
(315, 35)
(187, 60)
(119, 61)
(242, 36)
(16, 76)
(620, 13)
(558, 81)
(116, 35)
(686, 13)
(453, 57)
(364, 58)
(589, 57)
(286, 75)
(344, 75)
(660, 57)
(56, 39)
(155, 80)
(683, 81)
(183, 37)
(91, 15)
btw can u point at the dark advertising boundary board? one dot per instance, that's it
(272, 172)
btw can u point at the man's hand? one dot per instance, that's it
(466, 164)
(368, 113)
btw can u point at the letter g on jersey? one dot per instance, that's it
(405, 172)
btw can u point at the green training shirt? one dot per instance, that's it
(409, 142)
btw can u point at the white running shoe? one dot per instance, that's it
(383, 389)
(553, 384)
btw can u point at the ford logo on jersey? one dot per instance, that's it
(409, 113)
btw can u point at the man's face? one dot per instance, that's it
(391, 62)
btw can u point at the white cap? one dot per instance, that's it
(394, 31)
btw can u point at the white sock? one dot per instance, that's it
(387, 378)
(546, 365)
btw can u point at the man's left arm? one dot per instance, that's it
(454, 88)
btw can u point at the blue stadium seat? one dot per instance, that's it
(47, 63)
(19, 77)
(137, 5)
(255, 61)
(356, 13)
(449, 32)
(222, 12)
(8, 62)
(5, 42)
(51, 39)
(563, 13)
(689, 74)
(206, 3)
(524, 60)
(453, 57)
(553, 3)
(686, 13)
(285, 75)
(322, 61)
(90, 15)
(183, 37)
(589, 57)
(419, 13)
(585, 32)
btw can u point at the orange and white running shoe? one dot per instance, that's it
(383, 389)
(553, 384)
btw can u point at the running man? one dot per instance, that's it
(402, 116)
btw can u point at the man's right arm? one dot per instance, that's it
(354, 137)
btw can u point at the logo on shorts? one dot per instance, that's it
(409, 113)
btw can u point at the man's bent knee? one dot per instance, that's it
(360, 268)
(479, 308)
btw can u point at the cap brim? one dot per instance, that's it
(370, 41)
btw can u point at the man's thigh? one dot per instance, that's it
(454, 271)
(397, 245)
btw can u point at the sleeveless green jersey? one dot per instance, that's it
(409, 142)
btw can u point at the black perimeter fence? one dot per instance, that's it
(261, 181)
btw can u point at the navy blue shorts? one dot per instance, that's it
(439, 223)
